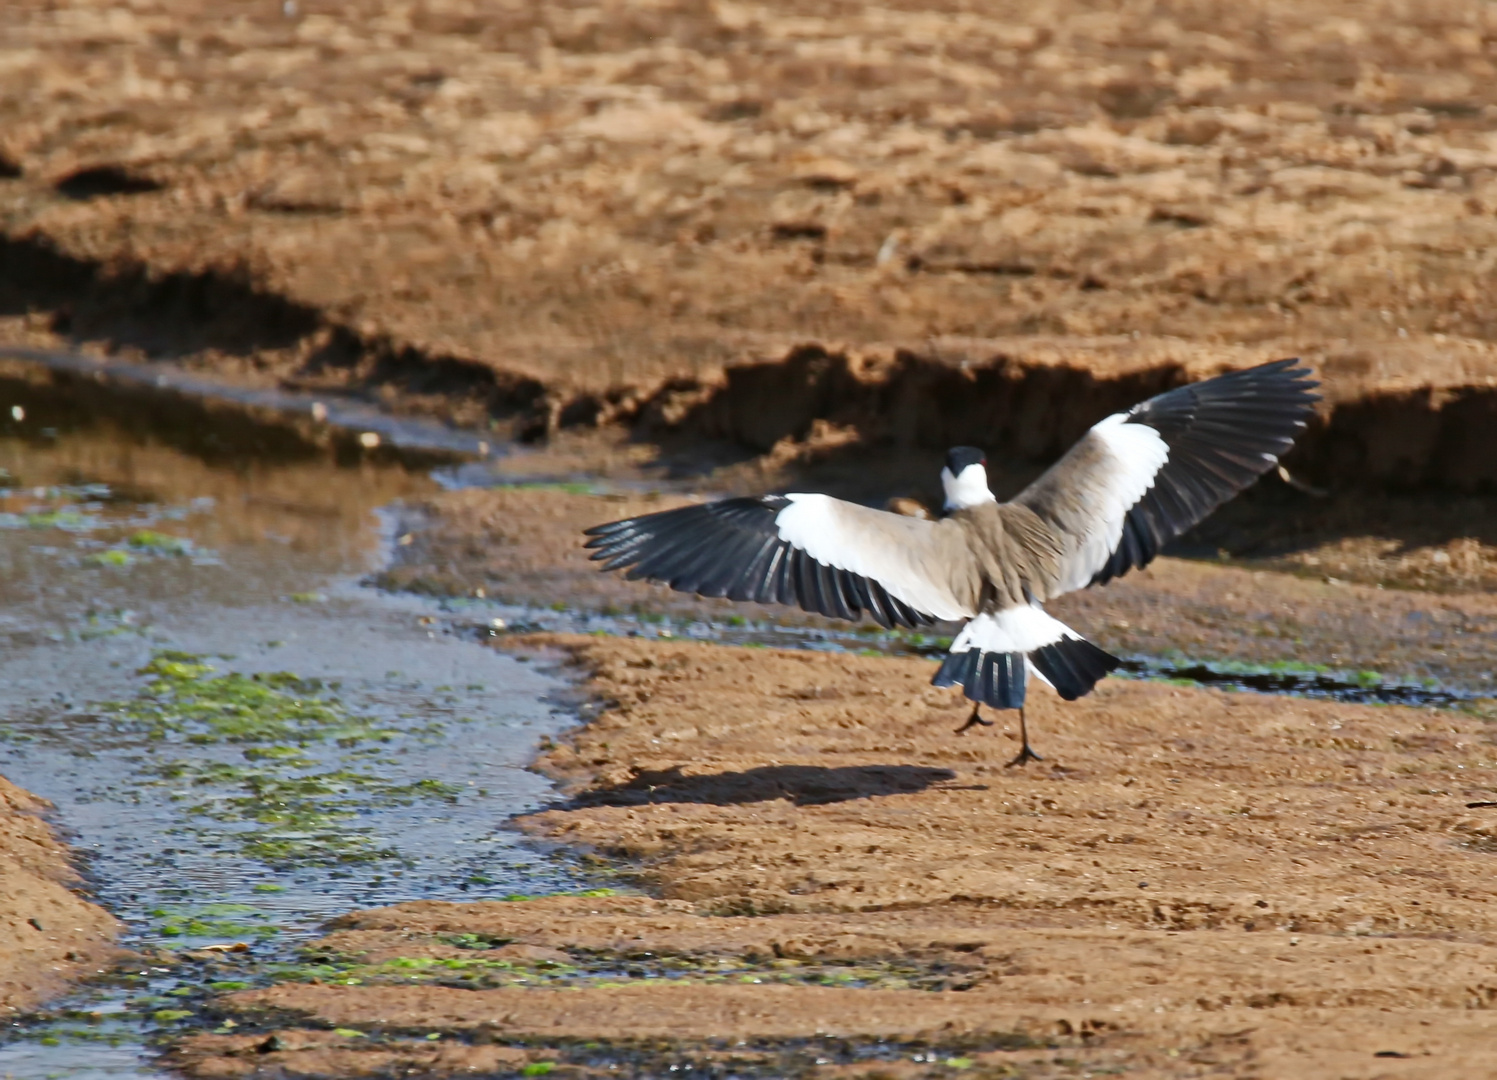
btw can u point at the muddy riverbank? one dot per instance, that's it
(1193, 883)
(50, 935)
(809, 873)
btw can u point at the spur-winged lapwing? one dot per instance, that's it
(1135, 481)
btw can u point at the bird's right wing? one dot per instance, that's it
(1140, 478)
(830, 557)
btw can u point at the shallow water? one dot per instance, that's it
(385, 772)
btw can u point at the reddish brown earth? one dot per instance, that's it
(993, 224)
(1193, 883)
(49, 934)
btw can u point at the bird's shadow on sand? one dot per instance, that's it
(804, 785)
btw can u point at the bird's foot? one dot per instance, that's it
(1023, 757)
(973, 721)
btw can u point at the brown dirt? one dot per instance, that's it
(49, 935)
(1267, 886)
(998, 223)
(1178, 777)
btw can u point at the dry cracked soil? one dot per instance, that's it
(737, 246)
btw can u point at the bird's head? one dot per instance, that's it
(965, 478)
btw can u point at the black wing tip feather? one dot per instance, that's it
(1290, 376)
(731, 548)
(1288, 382)
(1223, 433)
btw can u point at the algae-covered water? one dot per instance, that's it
(240, 739)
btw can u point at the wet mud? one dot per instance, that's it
(50, 936)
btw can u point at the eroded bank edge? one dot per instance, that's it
(1030, 398)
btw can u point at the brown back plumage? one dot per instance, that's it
(1015, 555)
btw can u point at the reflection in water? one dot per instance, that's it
(314, 499)
(154, 580)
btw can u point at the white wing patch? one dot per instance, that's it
(1019, 629)
(1137, 452)
(896, 551)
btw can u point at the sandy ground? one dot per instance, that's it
(48, 933)
(588, 212)
(1193, 883)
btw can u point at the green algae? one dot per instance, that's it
(160, 543)
(67, 520)
(563, 487)
(99, 625)
(235, 921)
(475, 941)
(80, 510)
(605, 968)
(146, 544)
(283, 802)
(520, 898)
(185, 698)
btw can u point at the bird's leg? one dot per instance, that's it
(1026, 754)
(973, 721)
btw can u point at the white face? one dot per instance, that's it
(968, 489)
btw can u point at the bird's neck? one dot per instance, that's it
(967, 490)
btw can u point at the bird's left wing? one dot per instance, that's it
(1140, 478)
(830, 557)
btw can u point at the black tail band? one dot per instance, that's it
(1073, 666)
(996, 679)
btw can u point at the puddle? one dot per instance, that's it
(240, 741)
(270, 413)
